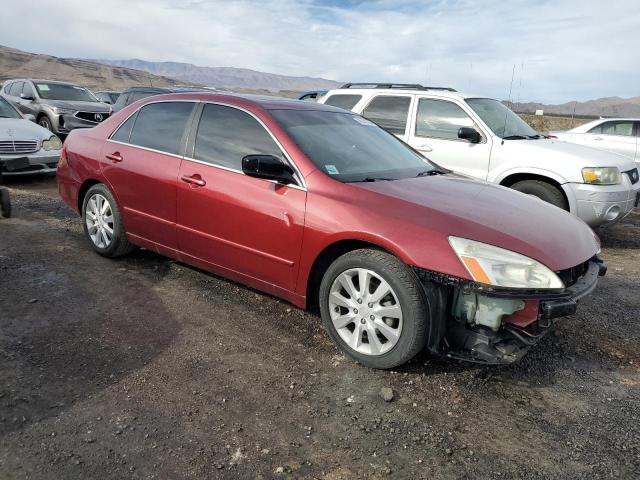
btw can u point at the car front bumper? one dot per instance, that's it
(64, 123)
(457, 338)
(41, 161)
(603, 204)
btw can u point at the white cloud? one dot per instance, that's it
(563, 50)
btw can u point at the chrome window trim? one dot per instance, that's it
(302, 187)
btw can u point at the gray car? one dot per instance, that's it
(25, 147)
(58, 106)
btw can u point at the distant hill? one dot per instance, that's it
(225, 77)
(606, 107)
(18, 64)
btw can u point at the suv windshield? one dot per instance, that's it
(500, 119)
(350, 148)
(7, 110)
(59, 91)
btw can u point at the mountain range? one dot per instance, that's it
(224, 77)
(605, 107)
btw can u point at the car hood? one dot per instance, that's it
(564, 151)
(20, 129)
(456, 205)
(81, 106)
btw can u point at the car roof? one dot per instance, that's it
(37, 80)
(435, 91)
(264, 102)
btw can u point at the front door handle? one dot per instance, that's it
(115, 156)
(424, 147)
(597, 138)
(194, 179)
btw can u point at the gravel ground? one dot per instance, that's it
(146, 368)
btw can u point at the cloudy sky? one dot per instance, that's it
(562, 50)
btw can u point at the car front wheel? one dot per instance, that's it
(45, 122)
(374, 307)
(102, 223)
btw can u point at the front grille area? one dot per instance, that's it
(633, 176)
(571, 275)
(16, 147)
(95, 117)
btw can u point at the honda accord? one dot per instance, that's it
(323, 208)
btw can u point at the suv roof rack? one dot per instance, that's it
(405, 86)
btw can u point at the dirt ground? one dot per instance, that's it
(146, 368)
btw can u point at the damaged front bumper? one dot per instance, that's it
(494, 325)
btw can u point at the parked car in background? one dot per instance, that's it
(107, 96)
(24, 146)
(134, 94)
(482, 138)
(57, 106)
(320, 206)
(312, 95)
(619, 135)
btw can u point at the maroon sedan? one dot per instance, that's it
(323, 208)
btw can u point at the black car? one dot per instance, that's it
(107, 96)
(133, 94)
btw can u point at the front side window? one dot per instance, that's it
(501, 120)
(7, 110)
(61, 91)
(343, 101)
(350, 148)
(160, 126)
(389, 112)
(28, 90)
(440, 119)
(623, 128)
(226, 135)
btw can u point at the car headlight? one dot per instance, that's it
(602, 175)
(63, 111)
(502, 268)
(53, 143)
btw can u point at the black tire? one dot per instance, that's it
(544, 191)
(44, 121)
(5, 202)
(119, 244)
(411, 296)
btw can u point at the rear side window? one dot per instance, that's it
(343, 101)
(124, 132)
(6, 87)
(16, 89)
(389, 112)
(160, 126)
(226, 135)
(440, 119)
(624, 128)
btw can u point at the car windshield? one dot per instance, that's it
(7, 110)
(59, 91)
(501, 120)
(351, 148)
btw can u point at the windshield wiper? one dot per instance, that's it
(372, 179)
(430, 173)
(515, 137)
(534, 137)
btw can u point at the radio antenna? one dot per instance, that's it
(504, 127)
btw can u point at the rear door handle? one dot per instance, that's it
(194, 179)
(115, 156)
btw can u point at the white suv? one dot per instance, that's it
(482, 138)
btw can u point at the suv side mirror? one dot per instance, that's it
(268, 167)
(470, 134)
(26, 96)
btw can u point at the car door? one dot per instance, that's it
(28, 100)
(14, 95)
(434, 133)
(616, 136)
(141, 162)
(390, 112)
(240, 226)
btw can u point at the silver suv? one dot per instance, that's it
(57, 106)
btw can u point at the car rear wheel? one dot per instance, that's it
(544, 191)
(102, 224)
(374, 307)
(44, 121)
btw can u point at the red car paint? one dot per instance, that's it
(268, 235)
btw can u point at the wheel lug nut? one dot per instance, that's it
(362, 320)
(355, 310)
(372, 317)
(371, 305)
(359, 300)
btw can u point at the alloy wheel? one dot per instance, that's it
(99, 220)
(365, 311)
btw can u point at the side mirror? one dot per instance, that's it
(469, 134)
(26, 96)
(31, 118)
(268, 167)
